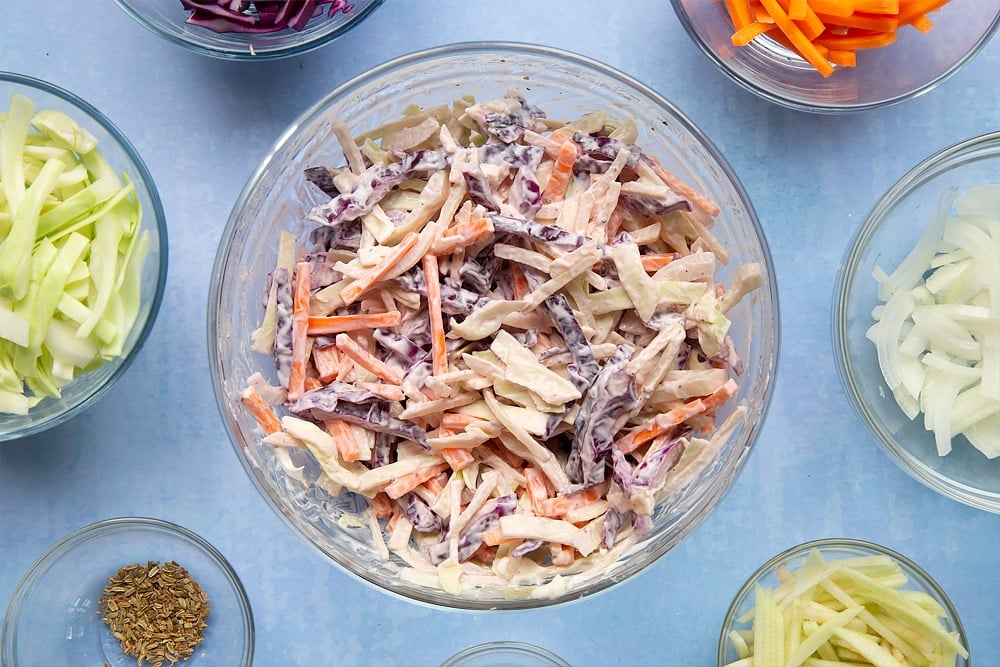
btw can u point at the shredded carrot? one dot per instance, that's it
(833, 7)
(872, 22)
(381, 505)
(747, 33)
(326, 359)
(560, 505)
(666, 421)
(493, 537)
(457, 458)
(913, 9)
(363, 358)
(406, 483)
(465, 234)
(802, 43)
(390, 392)
(537, 489)
(343, 437)
(456, 421)
(508, 457)
(739, 10)
(555, 188)
(656, 261)
(922, 23)
(300, 330)
(334, 324)
(435, 484)
(312, 383)
(677, 185)
(797, 9)
(371, 276)
(432, 277)
(518, 282)
(261, 411)
(877, 6)
(485, 554)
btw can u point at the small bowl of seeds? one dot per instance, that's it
(129, 591)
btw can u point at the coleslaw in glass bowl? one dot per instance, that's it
(504, 340)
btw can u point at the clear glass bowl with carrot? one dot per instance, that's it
(490, 338)
(838, 56)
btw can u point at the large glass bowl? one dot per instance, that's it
(914, 64)
(54, 616)
(168, 19)
(87, 388)
(275, 199)
(890, 231)
(505, 654)
(833, 549)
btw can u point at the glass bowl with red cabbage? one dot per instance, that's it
(244, 30)
(391, 121)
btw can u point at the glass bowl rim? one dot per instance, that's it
(926, 583)
(488, 647)
(929, 167)
(34, 574)
(815, 106)
(710, 499)
(296, 45)
(159, 216)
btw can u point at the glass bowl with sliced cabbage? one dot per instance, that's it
(83, 255)
(245, 30)
(842, 601)
(917, 321)
(493, 326)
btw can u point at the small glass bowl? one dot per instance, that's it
(87, 388)
(168, 19)
(564, 85)
(912, 65)
(833, 549)
(54, 617)
(884, 239)
(505, 654)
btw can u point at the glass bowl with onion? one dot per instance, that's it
(83, 262)
(847, 600)
(246, 30)
(915, 322)
(338, 480)
(889, 60)
(63, 611)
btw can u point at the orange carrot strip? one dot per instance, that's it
(326, 359)
(746, 34)
(363, 358)
(333, 324)
(665, 422)
(469, 231)
(435, 484)
(877, 6)
(260, 410)
(797, 9)
(842, 58)
(343, 437)
(910, 11)
(739, 12)
(457, 457)
(560, 505)
(677, 185)
(485, 554)
(833, 7)
(854, 42)
(403, 485)
(456, 421)
(439, 355)
(312, 383)
(494, 536)
(518, 282)
(381, 505)
(389, 392)
(366, 280)
(873, 22)
(555, 188)
(656, 261)
(536, 487)
(300, 330)
(802, 44)
(508, 457)
(922, 23)
(760, 15)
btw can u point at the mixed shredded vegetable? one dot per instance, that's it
(506, 333)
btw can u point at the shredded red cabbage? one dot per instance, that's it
(260, 16)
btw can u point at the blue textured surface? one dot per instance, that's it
(155, 445)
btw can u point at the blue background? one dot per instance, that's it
(155, 445)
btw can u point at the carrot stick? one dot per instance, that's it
(747, 33)
(739, 12)
(555, 188)
(260, 410)
(833, 7)
(873, 22)
(344, 438)
(312, 383)
(877, 6)
(381, 505)
(518, 282)
(855, 42)
(439, 355)
(389, 392)
(910, 11)
(802, 44)
(538, 490)
(656, 261)
(456, 421)
(842, 58)
(922, 23)
(560, 505)
(464, 234)
(326, 359)
(340, 323)
(300, 330)
(665, 422)
(457, 457)
(403, 485)
(677, 185)
(797, 9)
(366, 280)
(363, 358)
